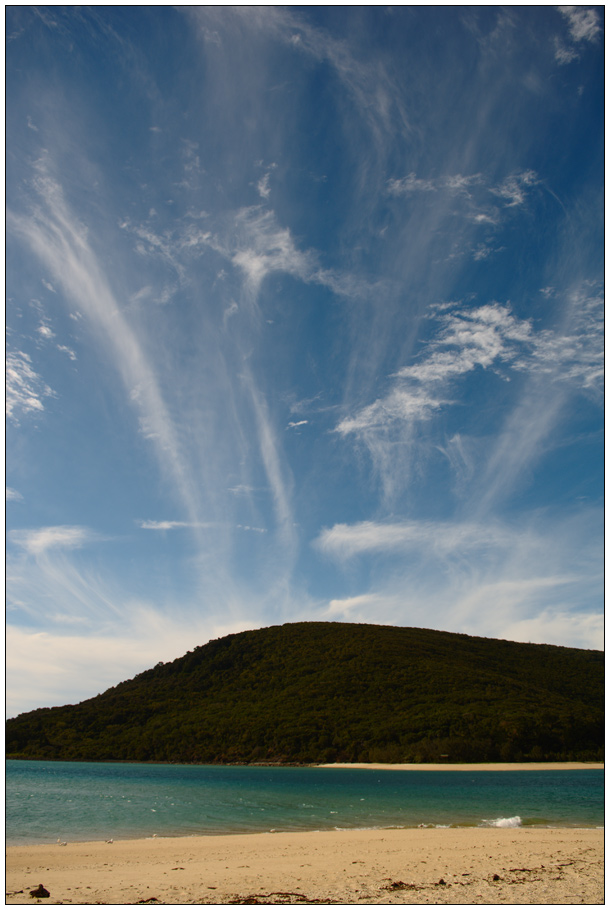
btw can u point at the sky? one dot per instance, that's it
(304, 322)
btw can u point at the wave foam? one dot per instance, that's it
(514, 822)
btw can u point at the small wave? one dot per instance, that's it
(514, 822)
(432, 825)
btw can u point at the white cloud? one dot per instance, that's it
(528, 581)
(50, 668)
(62, 243)
(563, 54)
(66, 350)
(409, 184)
(484, 218)
(400, 405)
(13, 495)
(461, 183)
(488, 337)
(264, 190)
(574, 352)
(242, 489)
(346, 608)
(253, 241)
(172, 525)
(514, 189)
(583, 23)
(574, 630)
(296, 423)
(474, 338)
(278, 474)
(455, 183)
(369, 85)
(231, 310)
(522, 610)
(347, 541)
(261, 246)
(25, 389)
(467, 339)
(39, 540)
(45, 331)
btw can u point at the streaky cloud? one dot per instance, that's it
(172, 525)
(61, 242)
(38, 540)
(347, 541)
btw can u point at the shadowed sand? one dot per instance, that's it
(398, 866)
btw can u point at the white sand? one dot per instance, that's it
(408, 866)
(484, 766)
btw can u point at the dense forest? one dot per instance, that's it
(321, 692)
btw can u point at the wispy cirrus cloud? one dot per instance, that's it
(200, 525)
(66, 350)
(147, 525)
(261, 246)
(566, 358)
(347, 541)
(573, 353)
(512, 191)
(495, 579)
(369, 84)
(253, 241)
(62, 243)
(469, 210)
(404, 186)
(49, 580)
(400, 406)
(466, 340)
(52, 664)
(25, 388)
(65, 537)
(583, 25)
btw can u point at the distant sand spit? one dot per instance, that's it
(487, 766)
(406, 866)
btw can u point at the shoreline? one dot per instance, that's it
(482, 766)
(447, 866)
(373, 766)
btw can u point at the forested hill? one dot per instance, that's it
(319, 692)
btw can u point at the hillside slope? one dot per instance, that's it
(313, 692)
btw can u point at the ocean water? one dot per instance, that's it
(81, 801)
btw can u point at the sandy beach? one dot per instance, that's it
(483, 766)
(408, 866)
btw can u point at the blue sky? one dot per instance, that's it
(304, 322)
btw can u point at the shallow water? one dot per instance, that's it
(81, 801)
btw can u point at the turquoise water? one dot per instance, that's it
(79, 801)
